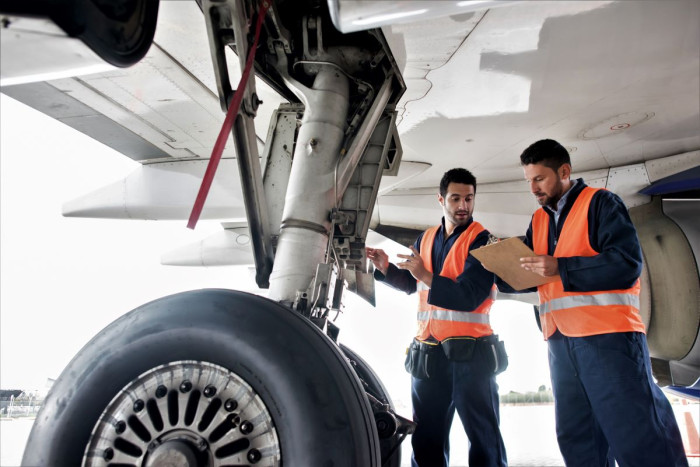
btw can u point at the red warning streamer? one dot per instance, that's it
(228, 124)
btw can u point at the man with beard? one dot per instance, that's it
(605, 397)
(451, 358)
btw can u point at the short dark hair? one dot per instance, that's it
(456, 176)
(546, 152)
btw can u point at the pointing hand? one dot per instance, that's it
(379, 258)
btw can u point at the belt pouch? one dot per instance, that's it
(494, 351)
(459, 349)
(421, 359)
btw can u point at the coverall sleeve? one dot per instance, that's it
(612, 234)
(470, 289)
(399, 279)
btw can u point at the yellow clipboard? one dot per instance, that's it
(503, 259)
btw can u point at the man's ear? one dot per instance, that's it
(441, 200)
(565, 171)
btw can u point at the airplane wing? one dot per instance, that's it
(616, 82)
(163, 112)
(499, 78)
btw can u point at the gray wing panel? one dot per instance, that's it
(68, 110)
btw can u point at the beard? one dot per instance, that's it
(460, 218)
(544, 199)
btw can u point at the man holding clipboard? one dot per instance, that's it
(588, 260)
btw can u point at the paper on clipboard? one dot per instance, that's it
(503, 259)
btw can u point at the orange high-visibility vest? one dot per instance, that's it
(442, 323)
(578, 314)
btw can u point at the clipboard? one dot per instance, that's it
(503, 259)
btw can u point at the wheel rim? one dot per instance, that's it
(185, 413)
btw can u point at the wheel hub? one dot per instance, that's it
(174, 452)
(185, 413)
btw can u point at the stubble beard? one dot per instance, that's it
(550, 201)
(462, 220)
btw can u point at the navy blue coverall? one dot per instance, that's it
(469, 387)
(605, 396)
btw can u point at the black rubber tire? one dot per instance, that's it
(118, 31)
(317, 403)
(391, 447)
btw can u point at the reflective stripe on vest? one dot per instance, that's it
(578, 314)
(442, 323)
(603, 299)
(450, 315)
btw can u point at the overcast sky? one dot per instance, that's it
(63, 279)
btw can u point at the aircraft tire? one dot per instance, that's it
(308, 405)
(390, 446)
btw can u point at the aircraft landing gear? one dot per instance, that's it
(216, 377)
(191, 377)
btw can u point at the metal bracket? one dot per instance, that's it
(227, 23)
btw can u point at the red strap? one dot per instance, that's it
(228, 124)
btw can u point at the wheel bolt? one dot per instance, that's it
(186, 386)
(108, 454)
(254, 456)
(246, 427)
(233, 419)
(209, 391)
(120, 427)
(230, 405)
(161, 391)
(138, 405)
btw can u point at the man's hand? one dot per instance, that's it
(543, 265)
(379, 258)
(414, 264)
